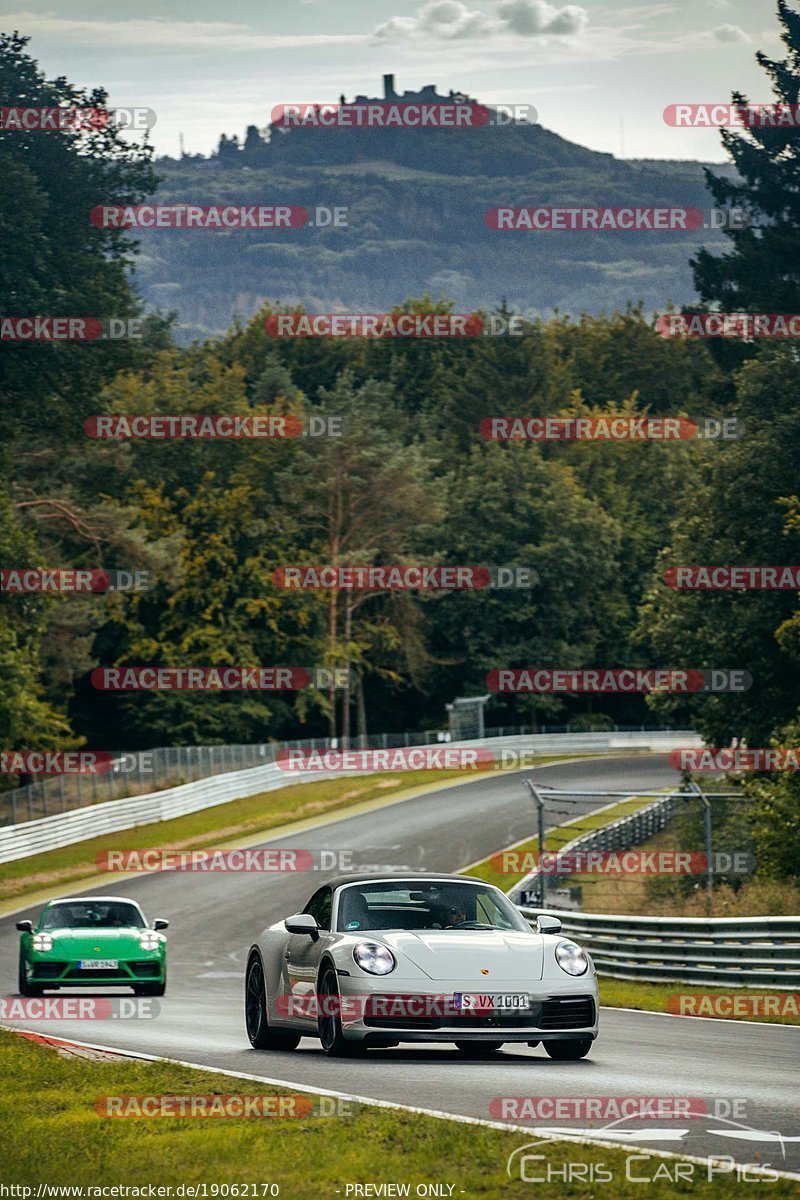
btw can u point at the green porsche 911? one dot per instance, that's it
(96, 941)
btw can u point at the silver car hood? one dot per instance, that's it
(462, 955)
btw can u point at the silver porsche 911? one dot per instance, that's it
(377, 960)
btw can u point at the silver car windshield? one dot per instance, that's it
(416, 905)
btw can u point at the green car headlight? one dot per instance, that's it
(150, 941)
(42, 942)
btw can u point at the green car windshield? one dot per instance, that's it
(100, 914)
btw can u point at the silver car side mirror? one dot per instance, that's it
(303, 923)
(548, 924)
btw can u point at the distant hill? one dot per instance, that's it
(416, 204)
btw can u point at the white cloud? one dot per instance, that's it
(530, 18)
(155, 34)
(446, 19)
(730, 33)
(450, 20)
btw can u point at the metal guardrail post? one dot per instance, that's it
(539, 802)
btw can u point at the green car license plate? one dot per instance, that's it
(98, 964)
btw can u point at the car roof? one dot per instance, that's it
(403, 877)
(92, 900)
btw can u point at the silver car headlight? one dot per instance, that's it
(149, 941)
(375, 959)
(571, 958)
(42, 942)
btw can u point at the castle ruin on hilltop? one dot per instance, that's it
(255, 148)
(426, 95)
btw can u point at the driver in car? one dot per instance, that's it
(449, 915)
(454, 915)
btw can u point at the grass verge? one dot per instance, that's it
(52, 1134)
(654, 997)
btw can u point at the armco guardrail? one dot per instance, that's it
(133, 774)
(63, 829)
(715, 951)
(628, 831)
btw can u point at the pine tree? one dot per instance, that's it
(761, 273)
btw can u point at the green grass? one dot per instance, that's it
(52, 1134)
(235, 821)
(654, 997)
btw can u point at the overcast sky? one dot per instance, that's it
(208, 68)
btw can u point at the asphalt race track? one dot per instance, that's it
(215, 917)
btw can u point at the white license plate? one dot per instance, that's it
(98, 964)
(491, 1001)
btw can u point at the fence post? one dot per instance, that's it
(709, 849)
(539, 802)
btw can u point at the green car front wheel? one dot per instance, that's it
(151, 989)
(25, 988)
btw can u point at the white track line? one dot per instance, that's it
(646, 1012)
